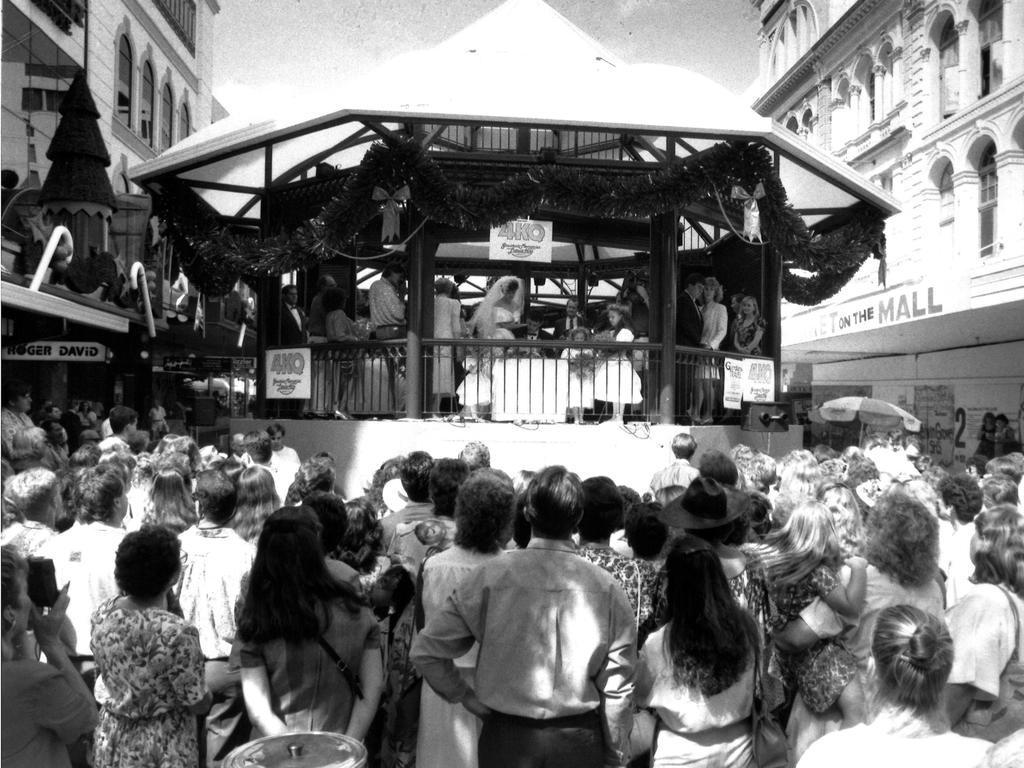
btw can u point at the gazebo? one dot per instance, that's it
(640, 167)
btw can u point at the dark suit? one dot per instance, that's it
(562, 326)
(543, 335)
(689, 322)
(689, 326)
(292, 332)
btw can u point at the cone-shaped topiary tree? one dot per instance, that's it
(77, 179)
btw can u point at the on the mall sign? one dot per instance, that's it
(888, 308)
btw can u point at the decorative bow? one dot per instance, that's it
(751, 213)
(390, 208)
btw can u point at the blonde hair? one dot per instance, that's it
(170, 502)
(998, 554)
(842, 504)
(257, 500)
(913, 654)
(807, 541)
(799, 473)
(719, 291)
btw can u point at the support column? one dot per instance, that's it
(665, 284)
(881, 108)
(772, 262)
(968, 87)
(421, 292)
(269, 298)
(1010, 217)
(897, 76)
(965, 196)
(856, 113)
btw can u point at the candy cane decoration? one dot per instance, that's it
(138, 281)
(59, 235)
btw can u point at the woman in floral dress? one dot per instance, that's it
(151, 684)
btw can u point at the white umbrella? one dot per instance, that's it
(868, 411)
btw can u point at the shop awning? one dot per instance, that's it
(44, 303)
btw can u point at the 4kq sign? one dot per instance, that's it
(288, 374)
(522, 240)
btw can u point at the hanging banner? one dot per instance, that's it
(57, 351)
(759, 381)
(288, 373)
(732, 392)
(522, 240)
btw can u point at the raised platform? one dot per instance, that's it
(630, 454)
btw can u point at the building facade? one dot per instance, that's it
(148, 66)
(926, 99)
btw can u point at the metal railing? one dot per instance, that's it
(514, 380)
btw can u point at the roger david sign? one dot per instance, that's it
(58, 351)
(288, 374)
(522, 240)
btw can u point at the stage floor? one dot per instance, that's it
(628, 453)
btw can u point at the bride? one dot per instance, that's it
(495, 316)
(502, 307)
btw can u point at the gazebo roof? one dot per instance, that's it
(521, 66)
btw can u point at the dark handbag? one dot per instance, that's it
(771, 750)
(350, 675)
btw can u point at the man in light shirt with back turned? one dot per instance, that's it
(554, 675)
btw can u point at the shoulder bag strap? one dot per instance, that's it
(639, 593)
(1016, 620)
(350, 675)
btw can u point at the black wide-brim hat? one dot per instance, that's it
(703, 505)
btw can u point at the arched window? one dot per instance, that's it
(166, 117)
(792, 125)
(949, 69)
(988, 200)
(124, 81)
(990, 36)
(146, 105)
(947, 212)
(869, 94)
(184, 122)
(807, 124)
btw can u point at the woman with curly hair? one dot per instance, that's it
(902, 550)
(448, 733)
(983, 695)
(615, 379)
(697, 672)
(362, 546)
(150, 660)
(316, 473)
(257, 499)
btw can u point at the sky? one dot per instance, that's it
(283, 52)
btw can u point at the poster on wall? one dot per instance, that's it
(759, 381)
(935, 406)
(522, 240)
(288, 373)
(732, 388)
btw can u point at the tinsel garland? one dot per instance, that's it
(214, 258)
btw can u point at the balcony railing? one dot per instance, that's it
(515, 380)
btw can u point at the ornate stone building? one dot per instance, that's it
(926, 99)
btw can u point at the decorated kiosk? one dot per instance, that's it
(637, 174)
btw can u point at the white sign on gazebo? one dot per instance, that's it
(522, 240)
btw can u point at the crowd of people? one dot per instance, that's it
(457, 614)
